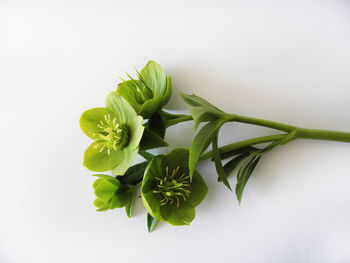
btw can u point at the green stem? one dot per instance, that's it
(178, 120)
(264, 123)
(327, 135)
(242, 144)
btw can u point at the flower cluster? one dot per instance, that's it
(124, 128)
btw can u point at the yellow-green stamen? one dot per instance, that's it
(173, 187)
(113, 136)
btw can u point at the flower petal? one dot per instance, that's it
(198, 190)
(120, 107)
(127, 158)
(98, 161)
(183, 215)
(135, 131)
(90, 119)
(127, 90)
(154, 77)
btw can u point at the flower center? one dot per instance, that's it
(114, 136)
(173, 187)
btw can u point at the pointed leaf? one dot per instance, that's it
(151, 223)
(232, 164)
(156, 124)
(218, 165)
(134, 174)
(244, 174)
(202, 141)
(151, 140)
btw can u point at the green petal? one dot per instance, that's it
(90, 119)
(128, 89)
(151, 107)
(101, 204)
(154, 77)
(150, 200)
(168, 91)
(109, 178)
(120, 107)
(105, 190)
(178, 157)
(121, 199)
(127, 158)
(135, 127)
(183, 215)
(98, 161)
(198, 190)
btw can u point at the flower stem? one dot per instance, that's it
(264, 123)
(178, 120)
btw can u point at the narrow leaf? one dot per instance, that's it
(128, 206)
(232, 164)
(134, 174)
(201, 142)
(151, 140)
(247, 149)
(218, 165)
(244, 174)
(146, 155)
(157, 125)
(151, 223)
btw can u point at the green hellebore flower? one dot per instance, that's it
(110, 193)
(167, 192)
(116, 131)
(150, 92)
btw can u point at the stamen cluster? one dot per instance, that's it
(114, 136)
(173, 187)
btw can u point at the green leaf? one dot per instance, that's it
(146, 155)
(244, 174)
(232, 164)
(202, 141)
(151, 223)
(194, 100)
(201, 114)
(134, 174)
(128, 209)
(247, 149)
(151, 140)
(218, 165)
(156, 124)
(90, 119)
(98, 161)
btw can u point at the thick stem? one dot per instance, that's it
(323, 135)
(242, 144)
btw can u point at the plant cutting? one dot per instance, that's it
(134, 121)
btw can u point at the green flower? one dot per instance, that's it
(116, 131)
(167, 192)
(150, 92)
(110, 193)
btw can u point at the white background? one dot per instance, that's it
(286, 61)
